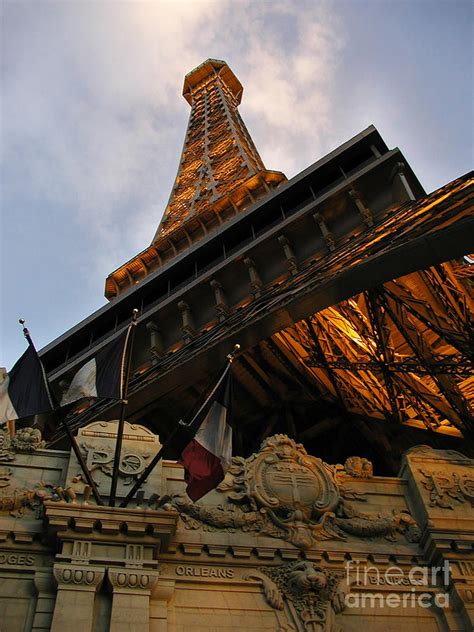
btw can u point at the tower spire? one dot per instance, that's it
(220, 173)
(218, 154)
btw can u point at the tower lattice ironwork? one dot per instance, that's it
(220, 172)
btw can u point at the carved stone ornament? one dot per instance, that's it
(285, 493)
(308, 596)
(132, 462)
(27, 440)
(358, 467)
(6, 452)
(20, 501)
(75, 576)
(5, 476)
(125, 580)
(447, 489)
(97, 442)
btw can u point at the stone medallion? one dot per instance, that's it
(283, 477)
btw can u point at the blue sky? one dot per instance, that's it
(92, 119)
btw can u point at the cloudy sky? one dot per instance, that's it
(92, 118)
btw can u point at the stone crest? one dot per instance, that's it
(97, 442)
(282, 477)
(283, 492)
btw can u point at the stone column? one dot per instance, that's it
(46, 588)
(77, 585)
(161, 595)
(131, 599)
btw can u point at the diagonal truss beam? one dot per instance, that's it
(381, 335)
(422, 350)
(322, 358)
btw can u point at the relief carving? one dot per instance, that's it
(447, 489)
(309, 596)
(88, 577)
(25, 440)
(5, 475)
(132, 579)
(20, 501)
(6, 452)
(357, 467)
(285, 493)
(132, 463)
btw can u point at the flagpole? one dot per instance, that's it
(71, 437)
(125, 375)
(139, 482)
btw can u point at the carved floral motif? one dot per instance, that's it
(285, 493)
(358, 467)
(27, 440)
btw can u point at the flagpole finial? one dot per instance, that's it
(25, 330)
(135, 314)
(231, 356)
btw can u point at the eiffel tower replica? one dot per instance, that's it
(348, 288)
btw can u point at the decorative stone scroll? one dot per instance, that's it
(308, 595)
(285, 493)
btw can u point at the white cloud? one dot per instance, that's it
(92, 98)
(93, 125)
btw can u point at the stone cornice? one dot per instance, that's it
(72, 519)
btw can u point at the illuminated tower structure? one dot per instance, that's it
(345, 286)
(348, 292)
(220, 172)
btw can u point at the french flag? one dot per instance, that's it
(102, 375)
(24, 391)
(207, 457)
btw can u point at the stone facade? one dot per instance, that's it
(287, 542)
